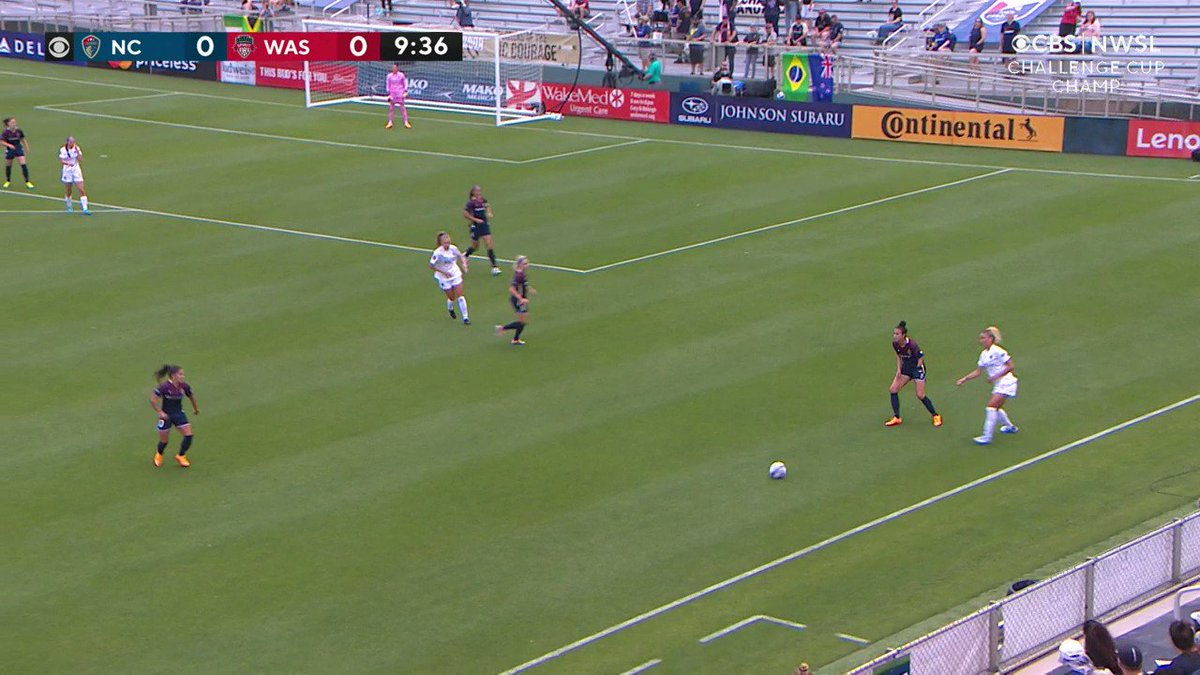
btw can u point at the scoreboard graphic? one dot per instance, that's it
(282, 47)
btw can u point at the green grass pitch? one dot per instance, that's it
(378, 489)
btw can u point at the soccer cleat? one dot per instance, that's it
(982, 440)
(6, 184)
(495, 271)
(937, 420)
(893, 422)
(183, 461)
(28, 185)
(453, 314)
(388, 125)
(158, 459)
(407, 125)
(466, 321)
(1009, 429)
(70, 208)
(86, 212)
(518, 342)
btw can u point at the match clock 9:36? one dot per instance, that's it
(421, 46)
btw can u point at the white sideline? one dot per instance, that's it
(642, 668)
(701, 144)
(284, 230)
(796, 221)
(796, 555)
(750, 620)
(580, 152)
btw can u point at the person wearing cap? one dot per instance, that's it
(1130, 658)
(1183, 636)
(1071, 655)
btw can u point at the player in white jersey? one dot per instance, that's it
(995, 361)
(397, 91)
(449, 265)
(72, 174)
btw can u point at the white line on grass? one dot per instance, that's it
(284, 230)
(865, 527)
(852, 638)
(139, 97)
(1194, 177)
(642, 668)
(625, 137)
(746, 622)
(581, 152)
(276, 137)
(795, 221)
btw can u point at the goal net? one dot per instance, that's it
(485, 82)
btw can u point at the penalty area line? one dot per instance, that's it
(865, 527)
(284, 230)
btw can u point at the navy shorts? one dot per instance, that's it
(480, 230)
(517, 306)
(914, 372)
(13, 153)
(173, 420)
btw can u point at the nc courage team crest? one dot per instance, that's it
(91, 46)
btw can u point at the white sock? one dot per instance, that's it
(1004, 417)
(83, 203)
(462, 306)
(450, 305)
(989, 422)
(68, 200)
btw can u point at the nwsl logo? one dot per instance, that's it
(997, 12)
(244, 45)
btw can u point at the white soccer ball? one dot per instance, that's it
(778, 470)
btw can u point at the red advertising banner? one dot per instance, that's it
(326, 77)
(1162, 138)
(300, 47)
(638, 105)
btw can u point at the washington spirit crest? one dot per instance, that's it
(91, 46)
(244, 45)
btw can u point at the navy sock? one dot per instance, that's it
(512, 325)
(25, 170)
(8, 172)
(470, 250)
(929, 405)
(187, 443)
(492, 257)
(161, 446)
(896, 404)
(520, 329)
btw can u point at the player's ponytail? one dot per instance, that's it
(166, 371)
(994, 332)
(7, 120)
(902, 327)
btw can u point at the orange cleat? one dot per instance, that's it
(893, 422)
(158, 459)
(407, 125)
(937, 420)
(388, 125)
(183, 461)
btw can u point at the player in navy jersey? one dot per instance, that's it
(478, 212)
(910, 365)
(16, 146)
(167, 401)
(518, 297)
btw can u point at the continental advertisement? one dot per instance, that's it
(980, 130)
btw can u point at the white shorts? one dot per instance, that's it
(1005, 386)
(72, 174)
(446, 284)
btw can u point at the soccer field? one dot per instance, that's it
(376, 488)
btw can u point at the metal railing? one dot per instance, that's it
(974, 82)
(1026, 625)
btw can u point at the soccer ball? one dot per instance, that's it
(779, 96)
(778, 470)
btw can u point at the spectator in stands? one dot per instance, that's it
(976, 40)
(697, 7)
(821, 26)
(725, 36)
(696, 47)
(1130, 658)
(1089, 31)
(1070, 19)
(653, 74)
(791, 11)
(1072, 655)
(894, 23)
(753, 39)
(770, 39)
(1010, 29)
(771, 14)
(248, 8)
(722, 79)
(806, 11)
(385, 5)
(644, 7)
(1099, 646)
(581, 10)
(645, 44)
(683, 19)
(1183, 636)
(797, 34)
(729, 13)
(943, 40)
(462, 13)
(835, 35)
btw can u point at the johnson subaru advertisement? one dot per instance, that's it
(787, 117)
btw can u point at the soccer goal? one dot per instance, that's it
(483, 83)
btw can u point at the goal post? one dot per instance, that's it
(483, 83)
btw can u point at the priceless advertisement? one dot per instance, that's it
(199, 70)
(638, 105)
(788, 117)
(981, 130)
(1162, 138)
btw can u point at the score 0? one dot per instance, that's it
(204, 47)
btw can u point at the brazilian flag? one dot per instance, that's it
(797, 80)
